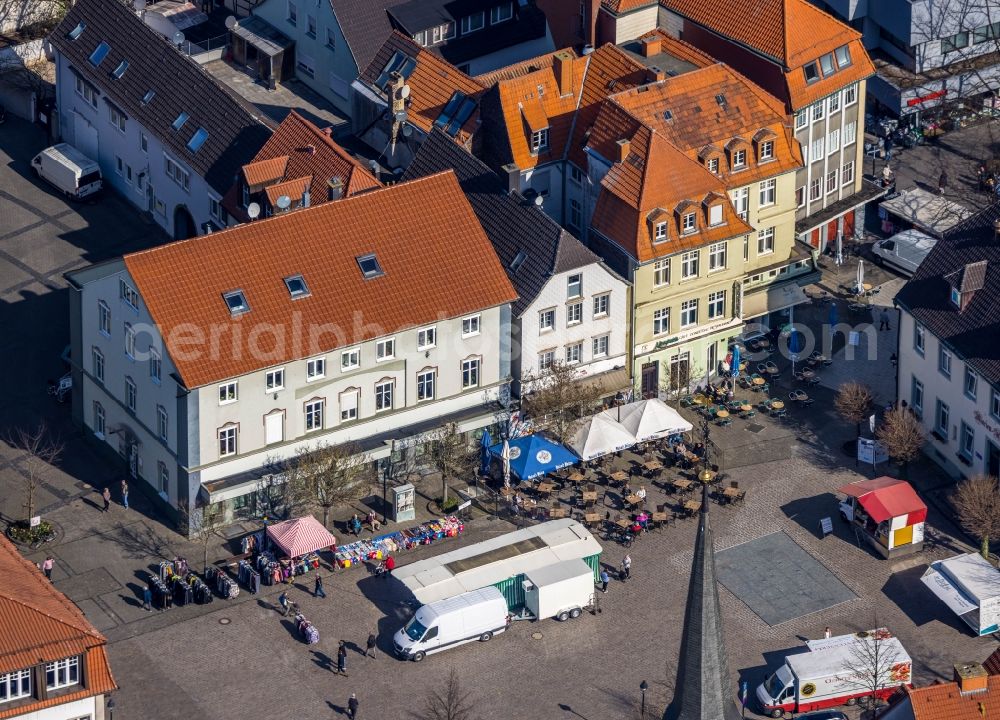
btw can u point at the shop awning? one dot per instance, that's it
(649, 419)
(610, 382)
(779, 298)
(947, 592)
(301, 536)
(885, 498)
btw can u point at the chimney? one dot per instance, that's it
(624, 146)
(650, 45)
(513, 173)
(311, 149)
(562, 66)
(335, 188)
(656, 74)
(971, 678)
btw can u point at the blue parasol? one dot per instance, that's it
(534, 455)
(735, 369)
(833, 313)
(484, 462)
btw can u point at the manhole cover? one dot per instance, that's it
(224, 621)
(536, 636)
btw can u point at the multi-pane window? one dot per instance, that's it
(817, 149)
(426, 338)
(385, 349)
(689, 265)
(545, 359)
(470, 372)
(765, 241)
(575, 213)
(163, 477)
(315, 369)
(716, 304)
(86, 91)
(918, 339)
(103, 318)
(851, 94)
(847, 173)
(601, 305)
(349, 405)
(470, 326)
(274, 380)
(971, 384)
(314, 415)
(815, 188)
(944, 362)
(800, 196)
(767, 150)
(661, 272)
(62, 673)
(227, 441)
(14, 685)
(689, 312)
(801, 119)
(740, 159)
(155, 365)
(600, 346)
(540, 141)
(741, 201)
(689, 223)
(425, 385)
(130, 394)
(767, 192)
(473, 22)
(99, 425)
(176, 173)
(833, 141)
(850, 132)
(162, 426)
(574, 286)
(661, 321)
(917, 395)
(713, 165)
(818, 111)
(717, 256)
(98, 361)
(574, 353)
(383, 396)
(130, 340)
(117, 118)
(574, 313)
(833, 103)
(995, 404)
(350, 359)
(128, 295)
(967, 440)
(227, 393)
(941, 419)
(546, 320)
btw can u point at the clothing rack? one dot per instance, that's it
(381, 546)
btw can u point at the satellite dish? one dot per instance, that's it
(373, 164)
(539, 200)
(404, 92)
(253, 210)
(283, 202)
(400, 117)
(230, 22)
(178, 37)
(407, 131)
(139, 5)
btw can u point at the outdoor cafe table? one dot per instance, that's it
(731, 493)
(592, 517)
(545, 488)
(660, 517)
(699, 399)
(623, 523)
(633, 500)
(576, 477)
(777, 405)
(746, 407)
(619, 476)
(557, 512)
(653, 465)
(722, 414)
(681, 483)
(758, 381)
(692, 506)
(589, 496)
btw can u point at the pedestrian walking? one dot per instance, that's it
(390, 565)
(107, 499)
(627, 567)
(47, 567)
(370, 645)
(318, 590)
(352, 707)
(342, 659)
(283, 601)
(942, 182)
(888, 148)
(147, 599)
(883, 322)
(125, 494)
(826, 633)
(605, 579)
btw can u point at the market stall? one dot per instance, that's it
(970, 587)
(650, 419)
(378, 548)
(293, 547)
(534, 455)
(889, 513)
(600, 435)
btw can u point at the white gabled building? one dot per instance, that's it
(168, 137)
(205, 362)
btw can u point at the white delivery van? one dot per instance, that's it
(476, 615)
(560, 591)
(904, 251)
(826, 675)
(69, 170)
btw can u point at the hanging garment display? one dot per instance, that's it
(378, 548)
(307, 631)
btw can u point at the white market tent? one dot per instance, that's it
(649, 419)
(600, 435)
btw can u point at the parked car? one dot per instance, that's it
(904, 251)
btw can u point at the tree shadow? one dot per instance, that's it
(137, 541)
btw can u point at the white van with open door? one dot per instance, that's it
(904, 251)
(476, 615)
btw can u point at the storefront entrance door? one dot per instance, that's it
(992, 459)
(650, 379)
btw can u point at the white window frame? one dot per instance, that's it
(602, 305)
(919, 339)
(739, 159)
(689, 313)
(574, 286)
(600, 346)
(162, 423)
(229, 439)
(163, 477)
(546, 320)
(574, 313)
(385, 350)
(741, 201)
(117, 118)
(815, 188)
(68, 668)
(350, 359)
(660, 231)
(426, 379)
(97, 362)
(716, 304)
(801, 119)
(995, 403)
(768, 192)
(155, 366)
(471, 369)
(966, 440)
(539, 141)
(917, 395)
(715, 216)
(713, 165)
(384, 391)
(833, 141)
(717, 256)
(103, 318)
(131, 394)
(661, 273)
(174, 170)
(765, 241)
(229, 392)
(944, 361)
(689, 265)
(128, 295)
(574, 353)
(767, 150)
(17, 684)
(349, 411)
(847, 173)
(313, 412)
(970, 385)
(86, 91)
(315, 369)
(427, 338)
(545, 359)
(832, 178)
(850, 133)
(850, 95)
(100, 424)
(833, 103)
(817, 148)
(274, 380)
(471, 325)
(661, 321)
(818, 111)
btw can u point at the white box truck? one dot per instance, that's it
(833, 672)
(476, 615)
(69, 170)
(560, 591)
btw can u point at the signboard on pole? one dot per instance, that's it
(871, 452)
(36, 521)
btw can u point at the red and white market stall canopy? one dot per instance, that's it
(885, 498)
(301, 536)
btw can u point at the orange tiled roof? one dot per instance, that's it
(509, 72)
(790, 32)
(624, 6)
(260, 172)
(653, 184)
(432, 83)
(37, 622)
(943, 701)
(412, 228)
(294, 189)
(698, 120)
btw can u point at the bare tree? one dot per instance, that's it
(854, 402)
(902, 435)
(28, 69)
(452, 456)
(678, 383)
(328, 475)
(874, 663)
(977, 502)
(31, 18)
(557, 398)
(201, 526)
(40, 452)
(451, 702)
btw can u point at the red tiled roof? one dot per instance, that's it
(260, 172)
(943, 701)
(39, 623)
(414, 230)
(624, 6)
(294, 189)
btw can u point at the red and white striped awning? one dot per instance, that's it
(301, 536)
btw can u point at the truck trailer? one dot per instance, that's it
(836, 671)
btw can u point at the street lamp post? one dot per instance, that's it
(643, 687)
(706, 474)
(111, 708)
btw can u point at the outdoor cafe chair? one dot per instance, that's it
(762, 368)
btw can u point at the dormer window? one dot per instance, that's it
(660, 231)
(689, 223)
(811, 71)
(739, 159)
(540, 141)
(956, 297)
(713, 165)
(236, 301)
(767, 150)
(715, 215)
(843, 54)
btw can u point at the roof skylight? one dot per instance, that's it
(399, 62)
(456, 111)
(179, 122)
(120, 70)
(100, 52)
(518, 261)
(148, 97)
(296, 285)
(236, 301)
(77, 31)
(197, 140)
(370, 267)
